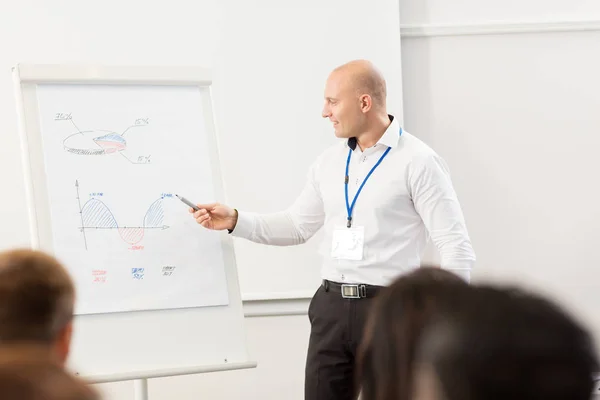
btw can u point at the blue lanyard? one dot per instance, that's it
(350, 208)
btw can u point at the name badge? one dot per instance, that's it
(348, 243)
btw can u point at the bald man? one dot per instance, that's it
(378, 194)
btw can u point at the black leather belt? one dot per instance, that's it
(351, 290)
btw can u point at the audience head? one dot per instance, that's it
(28, 374)
(399, 313)
(37, 299)
(504, 344)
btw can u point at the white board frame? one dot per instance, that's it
(140, 344)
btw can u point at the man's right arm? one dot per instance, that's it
(293, 226)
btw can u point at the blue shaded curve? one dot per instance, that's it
(97, 214)
(155, 214)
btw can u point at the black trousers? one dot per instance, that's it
(337, 326)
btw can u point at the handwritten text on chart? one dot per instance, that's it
(168, 270)
(137, 273)
(62, 116)
(99, 276)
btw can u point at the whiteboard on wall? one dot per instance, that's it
(106, 150)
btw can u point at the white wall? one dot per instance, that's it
(442, 12)
(516, 117)
(270, 59)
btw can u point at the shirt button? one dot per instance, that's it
(343, 278)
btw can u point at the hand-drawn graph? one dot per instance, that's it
(95, 214)
(100, 142)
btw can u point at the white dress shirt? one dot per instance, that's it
(408, 198)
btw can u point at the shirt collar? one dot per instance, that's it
(390, 137)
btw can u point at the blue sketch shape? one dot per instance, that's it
(155, 214)
(111, 137)
(97, 215)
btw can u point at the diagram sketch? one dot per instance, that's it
(129, 244)
(100, 142)
(95, 215)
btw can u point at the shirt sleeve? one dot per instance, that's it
(293, 226)
(436, 202)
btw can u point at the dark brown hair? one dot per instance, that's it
(386, 354)
(36, 297)
(30, 374)
(506, 343)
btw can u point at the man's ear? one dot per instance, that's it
(366, 103)
(62, 346)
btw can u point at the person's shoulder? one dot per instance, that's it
(332, 152)
(421, 156)
(339, 145)
(415, 148)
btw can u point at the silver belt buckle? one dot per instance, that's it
(353, 291)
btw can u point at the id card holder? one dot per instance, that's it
(348, 243)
